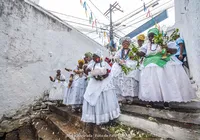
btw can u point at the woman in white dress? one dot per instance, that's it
(163, 79)
(127, 85)
(58, 88)
(100, 103)
(76, 88)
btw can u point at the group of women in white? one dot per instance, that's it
(96, 87)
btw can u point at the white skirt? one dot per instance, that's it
(74, 94)
(106, 108)
(168, 84)
(57, 91)
(126, 85)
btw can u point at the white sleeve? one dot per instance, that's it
(90, 66)
(106, 65)
(172, 45)
(143, 48)
(117, 55)
(62, 77)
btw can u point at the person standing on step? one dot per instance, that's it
(140, 40)
(88, 57)
(100, 103)
(88, 60)
(76, 88)
(162, 80)
(127, 84)
(181, 51)
(58, 88)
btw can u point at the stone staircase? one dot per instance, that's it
(181, 122)
(58, 123)
(61, 124)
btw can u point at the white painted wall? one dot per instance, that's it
(27, 35)
(36, 1)
(187, 14)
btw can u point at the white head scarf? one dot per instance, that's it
(99, 53)
(125, 39)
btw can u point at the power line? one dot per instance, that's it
(80, 24)
(97, 8)
(77, 22)
(136, 10)
(160, 5)
(71, 16)
(144, 19)
(138, 21)
(152, 10)
(145, 13)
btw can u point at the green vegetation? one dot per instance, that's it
(130, 133)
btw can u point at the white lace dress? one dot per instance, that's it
(127, 85)
(100, 103)
(74, 94)
(58, 89)
(167, 84)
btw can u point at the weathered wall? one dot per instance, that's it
(36, 1)
(28, 35)
(187, 13)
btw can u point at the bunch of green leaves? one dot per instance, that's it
(162, 40)
(133, 54)
(174, 35)
(126, 69)
(158, 39)
(123, 131)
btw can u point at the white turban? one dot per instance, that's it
(99, 53)
(125, 39)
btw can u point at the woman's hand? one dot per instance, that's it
(164, 47)
(76, 71)
(122, 62)
(180, 57)
(141, 54)
(51, 78)
(68, 70)
(131, 57)
(171, 50)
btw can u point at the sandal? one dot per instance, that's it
(73, 110)
(166, 105)
(149, 105)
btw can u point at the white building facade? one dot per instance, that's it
(187, 19)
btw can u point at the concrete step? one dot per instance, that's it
(160, 129)
(173, 116)
(12, 135)
(23, 133)
(193, 106)
(75, 118)
(26, 133)
(43, 132)
(65, 129)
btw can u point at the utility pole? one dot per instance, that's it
(110, 11)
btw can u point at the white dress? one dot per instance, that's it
(127, 85)
(167, 84)
(100, 103)
(58, 89)
(74, 94)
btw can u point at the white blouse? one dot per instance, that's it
(150, 49)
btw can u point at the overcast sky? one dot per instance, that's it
(74, 8)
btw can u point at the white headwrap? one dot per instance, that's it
(125, 39)
(99, 53)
